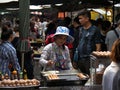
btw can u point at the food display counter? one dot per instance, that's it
(99, 61)
(64, 78)
(72, 87)
(68, 80)
(73, 82)
(19, 84)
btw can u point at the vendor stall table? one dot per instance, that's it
(96, 87)
(20, 88)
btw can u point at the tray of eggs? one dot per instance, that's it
(7, 83)
(101, 53)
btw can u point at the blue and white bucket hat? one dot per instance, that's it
(62, 30)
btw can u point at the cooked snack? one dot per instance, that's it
(21, 82)
(81, 76)
(52, 76)
(101, 53)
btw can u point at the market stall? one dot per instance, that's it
(64, 78)
(68, 79)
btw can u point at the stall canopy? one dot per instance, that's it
(68, 5)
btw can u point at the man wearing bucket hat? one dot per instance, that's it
(55, 56)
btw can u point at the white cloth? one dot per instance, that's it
(111, 77)
(49, 53)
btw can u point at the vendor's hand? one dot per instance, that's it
(50, 63)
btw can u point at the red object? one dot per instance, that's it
(50, 39)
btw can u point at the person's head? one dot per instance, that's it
(118, 23)
(76, 22)
(60, 39)
(99, 21)
(106, 26)
(115, 53)
(7, 35)
(84, 17)
(117, 20)
(67, 21)
(62, 36)
(51, 27)
(117, 17)
(7, 25)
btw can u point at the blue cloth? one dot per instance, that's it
(88, 40)
(7, 56)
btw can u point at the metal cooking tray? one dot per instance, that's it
(65, 80)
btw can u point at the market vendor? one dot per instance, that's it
(56, 56)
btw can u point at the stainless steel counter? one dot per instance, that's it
(95, 87)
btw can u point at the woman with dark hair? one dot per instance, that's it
(111, 76)
(8, 53)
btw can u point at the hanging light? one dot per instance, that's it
(117, 5)
(60, 4)
(34, 7)
(108, 13)
(6, 1)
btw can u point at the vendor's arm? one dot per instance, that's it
(45, 56)
(98, 47)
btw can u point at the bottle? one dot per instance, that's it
(92, 75)
(21, 75)
(14, 73)
(25, 74)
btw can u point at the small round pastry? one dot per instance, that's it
(30, 84)
(18, 84)
(2, 85)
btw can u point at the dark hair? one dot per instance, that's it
(117, 17)
(6, 33)
(85, 13)
(76, 19)
(115, 53)
(106, 24)
(51, 28)
(99, 21)
(67, 21)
